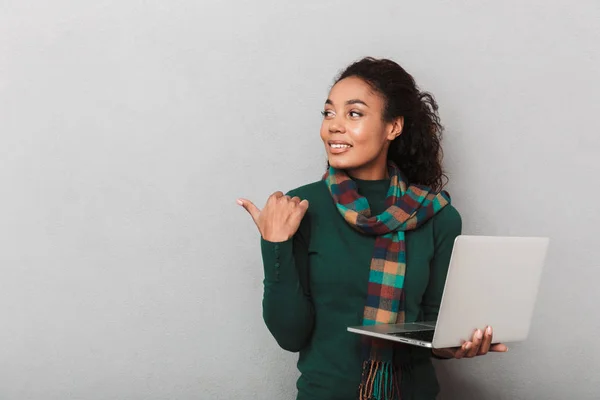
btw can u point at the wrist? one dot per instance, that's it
(276, 238)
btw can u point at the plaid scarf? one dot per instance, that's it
(407, 209)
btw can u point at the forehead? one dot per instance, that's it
(354, 88)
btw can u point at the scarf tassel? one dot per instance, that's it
(379, 381)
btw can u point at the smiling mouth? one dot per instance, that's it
(338, 148)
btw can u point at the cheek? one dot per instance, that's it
(324, 130)
(367, 134)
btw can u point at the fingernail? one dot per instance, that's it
(478, 334)
(241, 203)
(468, 346)
(489, 330)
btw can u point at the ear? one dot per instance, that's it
(396, 128)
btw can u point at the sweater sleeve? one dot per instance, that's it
(288, 311)
(447, 225)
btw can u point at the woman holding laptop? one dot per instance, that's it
(367, 244)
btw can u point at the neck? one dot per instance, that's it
(373, 171)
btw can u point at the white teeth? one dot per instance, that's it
(340, 146)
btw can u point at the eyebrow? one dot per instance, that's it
(352, 101)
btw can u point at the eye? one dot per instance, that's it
(355, 114)
(326, 113)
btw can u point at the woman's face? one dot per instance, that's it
(355, 135)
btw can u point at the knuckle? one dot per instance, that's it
(275, 195)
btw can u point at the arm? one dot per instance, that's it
(287, 308)
(447, 226)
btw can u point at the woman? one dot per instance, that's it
(373, 247)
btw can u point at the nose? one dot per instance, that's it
(336, 125)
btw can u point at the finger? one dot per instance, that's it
(251, 208)
(303, 206)
(499, 347)
(296, 200)
(300, 212)
(462, 350)
(477, 336)
(275, 196)
(486, 342)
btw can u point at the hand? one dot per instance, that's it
(479, 345)
(280, 218)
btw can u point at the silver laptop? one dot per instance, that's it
(492, 281)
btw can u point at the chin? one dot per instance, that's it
(340, 164)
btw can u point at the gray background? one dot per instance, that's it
(128, 129)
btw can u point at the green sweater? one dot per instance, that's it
(316, 284)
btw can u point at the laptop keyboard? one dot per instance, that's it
(426, 336)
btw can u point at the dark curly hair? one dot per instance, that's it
(417, 151)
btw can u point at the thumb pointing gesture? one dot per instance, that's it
(279, 220)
